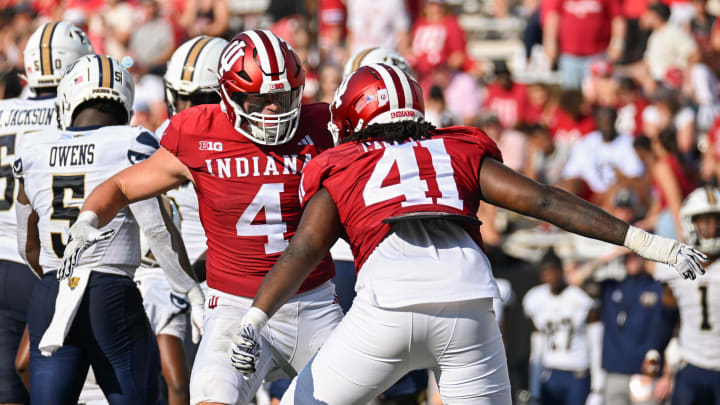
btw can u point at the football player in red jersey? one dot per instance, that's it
(404, 195)
(244, 157)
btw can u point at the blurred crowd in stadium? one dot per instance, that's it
(616, 101)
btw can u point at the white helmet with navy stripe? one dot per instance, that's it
(192, 69)
(51, 49)
(704, 200)
(376, 54)
(90, 78)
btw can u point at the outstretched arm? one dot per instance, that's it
(149, 178)
(160, 172)
(319, 228)
(506, 188)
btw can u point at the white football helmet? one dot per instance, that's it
(192, 71)
(93, 77)
(51, 49)
(704, 200)
(376, 54)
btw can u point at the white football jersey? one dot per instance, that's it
(61, 168)
(699, 304)
(18, 118)
(563, 321)
(185, 198)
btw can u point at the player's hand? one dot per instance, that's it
(197, 306)
(595, 398)
(245, 348)
(689, 262)
(83, 234)
(686, 260)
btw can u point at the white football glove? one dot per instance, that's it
(197, 305)
(245, 348)
(83, 234)
(686, 260)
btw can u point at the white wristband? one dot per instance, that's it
(652, 247)
(255, 316)
(90, 217)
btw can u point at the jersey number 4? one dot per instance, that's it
(268, 199)
(410, 184)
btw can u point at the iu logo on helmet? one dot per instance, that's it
(213, 301)
(230, 55)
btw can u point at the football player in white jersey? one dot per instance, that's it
(561, 313)
(375, 54)
(49, 51)
(191, 79)
(94, 316)
(698, 304)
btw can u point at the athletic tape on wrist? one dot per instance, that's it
(652, 247)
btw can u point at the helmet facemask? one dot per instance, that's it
(266, 128)
(708, 245)
(198, 97)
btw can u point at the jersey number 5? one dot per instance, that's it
(268, 199)
(411, 185)
(60, 212)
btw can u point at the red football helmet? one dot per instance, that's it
(374, 94)
(261, 85)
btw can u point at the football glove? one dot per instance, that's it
(197, 305)
(686, 260)
(245, 348)
(83, 234)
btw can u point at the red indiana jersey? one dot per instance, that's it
(371, 181)
(247, 192)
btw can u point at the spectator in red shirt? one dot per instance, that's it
(505, 98)
(577, 31)
(631, 105)
(572, 120)
(600, 87)
(538, 107)
(332, 15)
(670, 182)
(436, 39)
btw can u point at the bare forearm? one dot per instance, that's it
(319, 228)
(286, 277)
(149, 178)
(106, 201)
(576, 215)
(506, 188)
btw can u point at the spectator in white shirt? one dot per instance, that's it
(601, 160)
